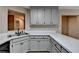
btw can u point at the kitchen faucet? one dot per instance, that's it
(18, 32)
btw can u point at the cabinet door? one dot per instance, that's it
(25, 46)
(33, 45)
(40, 16)
(16, 47)
(48, 16)
(44, 45)
(34, 15)
(55, 15)
(54, 50)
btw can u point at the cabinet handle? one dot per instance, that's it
(12, 45)
(21, 43)
(55, 45)
(44, 22)
(57, 48)
(38, 41)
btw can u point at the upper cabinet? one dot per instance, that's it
(55, 15)
(34, 13)
(48, 16)
(37, 15)
(40, 16)
(44, 15)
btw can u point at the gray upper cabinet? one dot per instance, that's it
(55, 15)
(40, 16)
(44, 15)
(34, 13)
(48, 16)
(37, 15)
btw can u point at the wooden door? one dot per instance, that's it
(70, 26)
(65, 25)
(10, 22)
(73, 26)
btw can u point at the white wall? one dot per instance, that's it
(4, 16)
(3, 19)
(69, 11)
(27, 22)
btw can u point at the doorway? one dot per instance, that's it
(16, 20)
(70, 26)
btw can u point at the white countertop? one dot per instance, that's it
(71, 44)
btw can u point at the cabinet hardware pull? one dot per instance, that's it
(21, 43)
(12, 45)
(38, 41)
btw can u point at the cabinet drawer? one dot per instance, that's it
(32, 36)
(39, 37)
(56, 45)
(36, 36)
(55, 49)
(37, 40)
(19, 39)
(46, 37)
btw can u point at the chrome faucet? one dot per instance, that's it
(18, 32)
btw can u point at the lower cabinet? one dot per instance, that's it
(39, 45)
(16, 47)
(19, 46)
(36, 43)
(57, 48)
(53, 49)
(44, 45)
(33, 45)
(25, 46)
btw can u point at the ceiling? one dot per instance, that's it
(60, 7)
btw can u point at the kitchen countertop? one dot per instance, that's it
(71, 44)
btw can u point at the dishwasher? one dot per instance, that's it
(5, 48)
